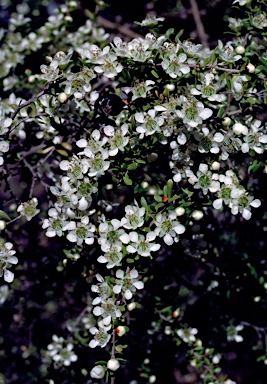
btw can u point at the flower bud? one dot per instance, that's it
(62, 97)
(31, 79)
(180, 211)
(120, 330)
(170, 87)
(240, 49)
(226, 121)
(215, 166)
(197, 215)
(250, 68)
(98, 372)
(113, 364)
(152, 379)
(2, 225)
(131, 306)
(175, 314)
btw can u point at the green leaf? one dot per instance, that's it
(154, 73)
(158, 198)
(189, 193)
(132, 166)
(158, 206)
(140, 161)
(263, 61)
(62, 152)
(4, 215)
(175, 197)
(127, 180)
(130, 261)
(254, 166)
(169, 188)
(143, 202)
(179, 34)
(169, 32)
(220, 112)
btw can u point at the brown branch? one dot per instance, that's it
(203, 37)
(121, 28)
(107, 23)
(31, 100)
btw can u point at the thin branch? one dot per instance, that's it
(25, 119)
(203, 37)
(121, 28)
(31, 100)
(109, 24)
(214, 67)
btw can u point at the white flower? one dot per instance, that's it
(242, 2)
(4, 147)
(112, 257)
(168, 227)
(61, 351)
(139, 49)
(141, 89)
(54, 224)
(98, 372)
(204, 179)
(3, 293)
(227, 52)
(111, 234)
(134, 217)
(29, 209)
(108, 310)
(232, 333)
(193, 112)
(150, 123)
(150, 20)
(141, 244)
(118, 139)
(101, 288)
(187, 334)
(127, 283)
(174, 65)
(75, 168)
(101, 336)
(80, 232)
(109, 67)
(7, 259)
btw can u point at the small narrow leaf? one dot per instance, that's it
(62, 152)
(154, 73)
(4, 215)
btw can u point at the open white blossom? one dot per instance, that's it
(142, 245)
(127, 283)
(134, 217)
(168, 227)
(61, 351)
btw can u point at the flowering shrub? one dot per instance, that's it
(128, 147)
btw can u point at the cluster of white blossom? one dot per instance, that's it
(7, 259)
(61, 352)
(196, 119)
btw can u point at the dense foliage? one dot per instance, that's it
(133, 204)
